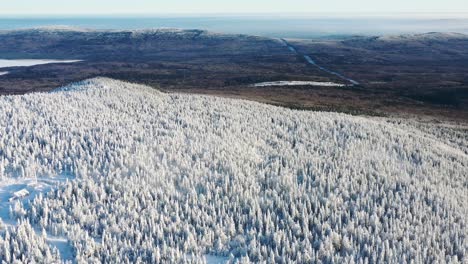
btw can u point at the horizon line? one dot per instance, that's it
(464, 14)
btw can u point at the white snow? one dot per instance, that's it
(18, 195)
(3, 73)
(62, 28)
(298, 83)
(27, 62)
(159, 177)
(212, 259)
(24, 189)
(64, 248)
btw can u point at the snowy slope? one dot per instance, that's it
(164, 178)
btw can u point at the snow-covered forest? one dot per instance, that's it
(170, 178)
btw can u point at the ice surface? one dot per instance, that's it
(27, 62)
(298, 83)
(61, 243)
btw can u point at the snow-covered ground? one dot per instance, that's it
(163, 178)
(211, 259)
(33, 186)
(298, 83)
(26, 63)
(61, 244)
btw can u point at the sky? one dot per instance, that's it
(115, 7)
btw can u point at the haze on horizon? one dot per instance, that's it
(107, 7)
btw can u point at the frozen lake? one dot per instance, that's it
(26, 63)
(298, 83)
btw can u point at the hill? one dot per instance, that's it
(158, 178)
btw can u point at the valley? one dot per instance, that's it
(413, 76)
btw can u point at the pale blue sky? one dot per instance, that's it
(221, 6)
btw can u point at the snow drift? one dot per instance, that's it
(169, 178)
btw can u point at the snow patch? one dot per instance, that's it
(212, 259)
(12, 190)
(19, 195)
(61, 243)
(298, 83)
(28, 62)
(26, 189)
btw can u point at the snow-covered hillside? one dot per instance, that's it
(165, 178)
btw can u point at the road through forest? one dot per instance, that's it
(312, 62)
